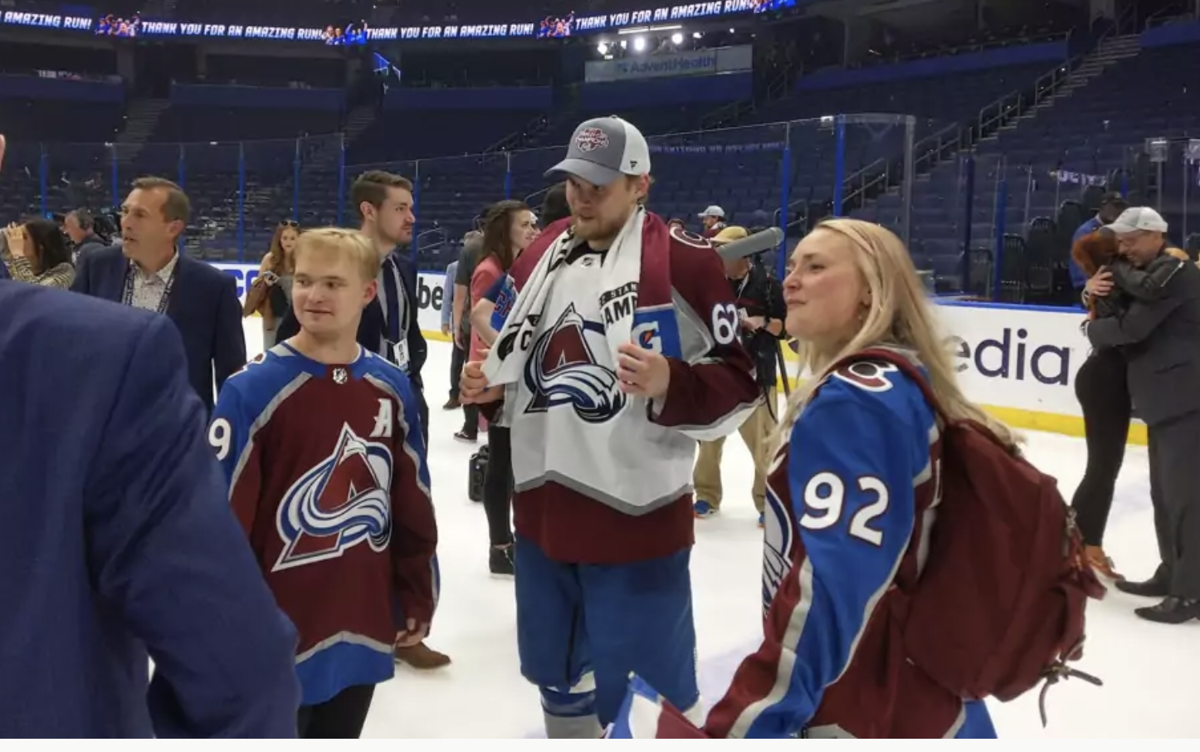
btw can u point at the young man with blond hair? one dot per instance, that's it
(321, 444)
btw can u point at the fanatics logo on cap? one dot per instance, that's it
(590, 139)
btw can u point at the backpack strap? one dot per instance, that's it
(905, 366)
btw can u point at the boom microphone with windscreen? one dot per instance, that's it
(752, 244)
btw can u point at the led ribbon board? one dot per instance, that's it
(362, 33)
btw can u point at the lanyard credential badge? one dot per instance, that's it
(398, 354)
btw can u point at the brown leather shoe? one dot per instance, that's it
(1101, 564)
(421, 657)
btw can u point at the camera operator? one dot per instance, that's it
(80, 227)
(761, 310)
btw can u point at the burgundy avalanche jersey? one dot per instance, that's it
(327, 474)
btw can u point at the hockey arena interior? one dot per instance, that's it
(995, 139)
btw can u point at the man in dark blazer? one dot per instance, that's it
(389, 325)
(147, 272)
(1161, 343)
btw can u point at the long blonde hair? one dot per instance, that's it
(899, 316)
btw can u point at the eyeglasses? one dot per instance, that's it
(289, 223)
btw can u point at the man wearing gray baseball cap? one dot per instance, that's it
(1160, 340)
(601, 151)
(619, 352)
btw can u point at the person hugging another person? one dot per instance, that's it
(1101, 384)
(271, 294)
(1160, 340)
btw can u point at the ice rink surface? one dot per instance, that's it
(1145, 667)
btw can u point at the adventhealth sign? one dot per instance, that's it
(675, 65)
(694, 63)
(1018, 361)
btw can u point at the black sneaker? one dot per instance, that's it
(465, 437)
(500, 560)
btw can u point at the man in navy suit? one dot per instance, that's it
(148, 272)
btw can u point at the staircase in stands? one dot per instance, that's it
(533, 133)
(318, 157)
(1109, 52)
(140, 124)
(1005, 115)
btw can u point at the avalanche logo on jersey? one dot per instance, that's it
(868, 374)
(340, 503)
(778, 535)
(561, 370)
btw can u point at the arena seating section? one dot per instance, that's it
(1097, 131)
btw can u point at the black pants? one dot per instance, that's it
(498, 486)
(422, 411)
(1102, 388)
(456, 365)
(471, 421)
(1175, 493)
(340, 717)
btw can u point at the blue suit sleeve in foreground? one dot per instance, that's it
(165, 548)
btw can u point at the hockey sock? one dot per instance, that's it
(571, 714)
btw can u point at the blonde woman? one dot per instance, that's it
(846, 507)
(271, 293)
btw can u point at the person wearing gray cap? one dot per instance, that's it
(619, 352)
(714, 220)
(1160, 339)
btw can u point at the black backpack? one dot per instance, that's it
(476, 471)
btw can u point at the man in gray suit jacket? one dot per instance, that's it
(1161, 343)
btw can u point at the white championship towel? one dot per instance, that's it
(622, 268)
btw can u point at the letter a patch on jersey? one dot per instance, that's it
(384, 420)
(344, 501)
